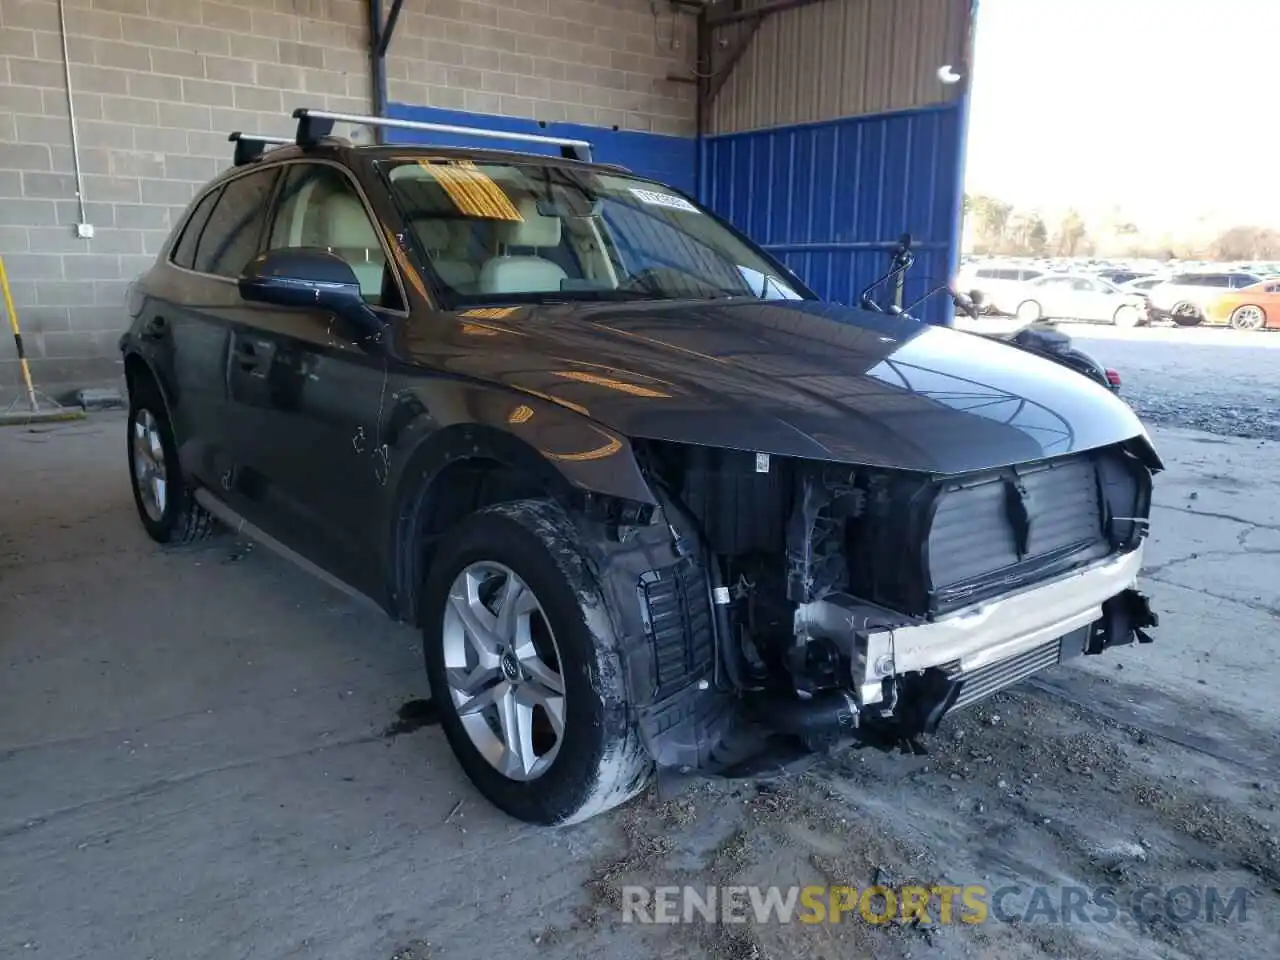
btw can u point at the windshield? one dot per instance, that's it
(519, 233)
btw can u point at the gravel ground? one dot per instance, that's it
(1218, 380)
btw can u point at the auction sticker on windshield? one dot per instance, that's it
(656, 199)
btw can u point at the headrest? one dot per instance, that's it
(534, 230)
(434, 234)
(347, 224)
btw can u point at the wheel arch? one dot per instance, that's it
(465, 467)
(1266, 317)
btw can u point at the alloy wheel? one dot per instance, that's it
(148, 464)
(503, 670)
(1248, 318)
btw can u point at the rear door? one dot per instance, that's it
(227, 242)
(190, 346)
(310, 391)
(196, 305)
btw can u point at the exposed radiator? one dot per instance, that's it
(977, 532)
(982, 683)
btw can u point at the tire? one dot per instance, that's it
(169, 512)
(1248, 317)
(1127, 317)
(1029, 311)
(596, 761)
(1186, 314)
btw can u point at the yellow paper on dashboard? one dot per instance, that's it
(472, 191)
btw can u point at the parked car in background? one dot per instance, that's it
(1255, 307)
(1143, 284)
(1183, 297)
(1078, 296)
(1122, 276)
(1000, 285)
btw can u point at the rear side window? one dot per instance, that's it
(1243, 280)
(1031, 274)
(230, 237)
(184, 251)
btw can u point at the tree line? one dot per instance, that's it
(994, 226)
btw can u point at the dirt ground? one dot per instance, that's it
(206, 753)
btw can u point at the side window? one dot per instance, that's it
(987, 273)
(230, 238)
(184, 251)
(1082, 285)
(1217, 280)
(1031, 274)
(1242, 280)
(318, 206)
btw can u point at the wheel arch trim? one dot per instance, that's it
(565, 481)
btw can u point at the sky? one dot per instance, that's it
(1169, 109)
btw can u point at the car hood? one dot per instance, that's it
(801, 379)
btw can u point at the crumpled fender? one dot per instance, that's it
(577, 460)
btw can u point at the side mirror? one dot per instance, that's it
(307, 277)
(977, 298)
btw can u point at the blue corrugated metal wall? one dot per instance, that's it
(831, 199)
(660, 156)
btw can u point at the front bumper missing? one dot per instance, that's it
(909, 675)
(883, 646)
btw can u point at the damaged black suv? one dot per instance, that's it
(651, 503)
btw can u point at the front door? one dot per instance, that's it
(310, 390)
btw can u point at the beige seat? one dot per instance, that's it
(530, 273)
(348, 232)
(440, 239)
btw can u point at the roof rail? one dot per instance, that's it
(250, 146)
(314, 125)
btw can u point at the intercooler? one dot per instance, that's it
(983, 682)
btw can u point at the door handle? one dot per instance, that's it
(247, 356)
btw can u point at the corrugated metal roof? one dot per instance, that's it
(841, 58)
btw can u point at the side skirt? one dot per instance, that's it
(242, 527)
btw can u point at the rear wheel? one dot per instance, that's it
(165, 504)
(1029, 311)
(1248, 317)
(523, 664)
(1186, 314)
(1127, 316)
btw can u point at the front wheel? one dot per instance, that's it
(1248, 317)
(1127, 316)
(525, 669)
(166, 507)
(1186, 314)
(1029, 311)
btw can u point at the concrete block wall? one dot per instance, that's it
(598, 62)
(158, 84)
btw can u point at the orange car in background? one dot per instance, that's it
(1255, 307)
